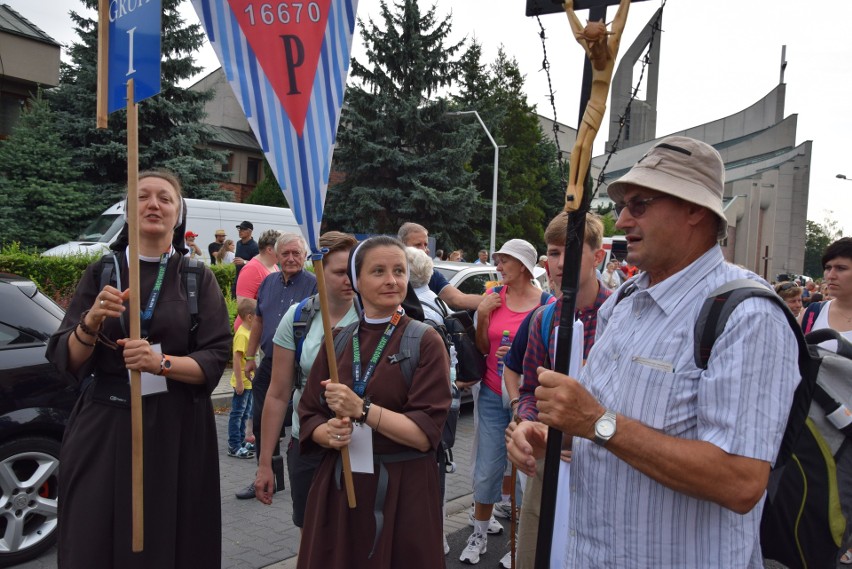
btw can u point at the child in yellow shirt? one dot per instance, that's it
(241, 400)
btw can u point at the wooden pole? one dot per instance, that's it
(514, 520)
(597, 75)
(103, 63)
(332, 372)
(137, 478)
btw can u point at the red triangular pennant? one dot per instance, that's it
(286, 38)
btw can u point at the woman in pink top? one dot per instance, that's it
(258, 268)
(504, 308)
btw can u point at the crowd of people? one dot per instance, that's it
(668, 462)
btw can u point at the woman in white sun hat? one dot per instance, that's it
(503, 309)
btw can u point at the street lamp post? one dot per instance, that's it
(494, 192)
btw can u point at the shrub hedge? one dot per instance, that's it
(57, 277)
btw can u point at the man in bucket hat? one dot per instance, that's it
(670, 461)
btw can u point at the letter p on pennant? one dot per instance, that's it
(286, 38)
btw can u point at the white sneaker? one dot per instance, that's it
(506, 561)
(477, 544)
(503, 510)
(494, 527)
(446, 545)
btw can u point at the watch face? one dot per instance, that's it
(605, 428)
(167, 364)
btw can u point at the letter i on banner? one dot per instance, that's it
(128, 72)
(287, 63)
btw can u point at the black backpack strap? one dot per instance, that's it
(111, 275)
(711, 321)
(302, 321)
(409, 349)
(408, 356)
(110, 272)
(625, 291)
(717, 308)
(192, 269)
(344, 336)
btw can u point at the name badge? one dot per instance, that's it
(361, 449)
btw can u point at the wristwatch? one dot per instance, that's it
(605, 428)
(365, 410)
(165, 365)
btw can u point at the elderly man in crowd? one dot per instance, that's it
(670, 462)
(276, 293)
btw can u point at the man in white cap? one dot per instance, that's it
(670, 461)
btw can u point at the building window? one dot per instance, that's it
(253, 171)
(10, 111)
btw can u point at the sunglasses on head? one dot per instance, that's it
(637, 206)
(786, 286)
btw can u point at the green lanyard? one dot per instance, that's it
(360, 383)
(145, 317)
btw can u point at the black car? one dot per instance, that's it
(35, 402)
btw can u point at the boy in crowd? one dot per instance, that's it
(527, 353)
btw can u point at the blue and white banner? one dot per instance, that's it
(287, 63)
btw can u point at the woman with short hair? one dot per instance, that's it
(791, 294)
(837, 315)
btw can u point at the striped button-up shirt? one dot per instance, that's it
(642, 366)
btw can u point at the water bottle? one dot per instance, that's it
(506, 340)
(454, 362)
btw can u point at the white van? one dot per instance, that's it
(616, 248)
(203, 217)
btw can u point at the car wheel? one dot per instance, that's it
(29, 490)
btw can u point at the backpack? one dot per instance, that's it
(810, 316)
(458, 332)
(303, 319)
(408, 359)
(802, 524)
(191, 269)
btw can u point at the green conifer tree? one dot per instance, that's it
(42, 200)
(404, 159)
(528, 191)
(171, 134)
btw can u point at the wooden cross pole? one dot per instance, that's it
(103, 63)
(332, 370)
(137, 478)
(601, 47)
(130, 40)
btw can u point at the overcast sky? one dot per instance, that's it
(717, 58)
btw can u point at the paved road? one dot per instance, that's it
(255, 536)
(258, 536)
